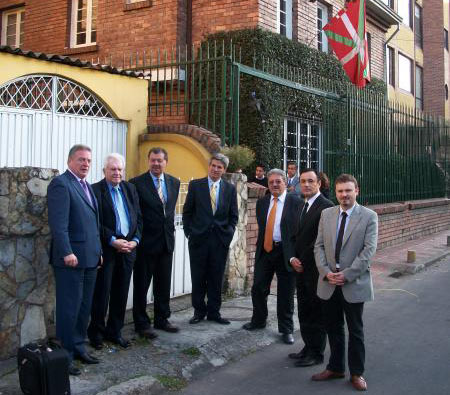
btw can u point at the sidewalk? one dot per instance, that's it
(173, 359)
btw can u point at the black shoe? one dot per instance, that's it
(219, 320)
(166, 326)
(120, 341)
(147, 334)
(74, 371)
(87, 359)
(96, 344)
(196, 319)
(250, 326)
(308, 360)
(288, 338)
(298, 355)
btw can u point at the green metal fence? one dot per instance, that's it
(397, 153)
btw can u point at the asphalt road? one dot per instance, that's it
(407, 330)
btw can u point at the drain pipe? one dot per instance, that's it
(386, 54)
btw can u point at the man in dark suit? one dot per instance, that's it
(276, 214)
(158, 194)
(120, 230)
(75, 252)
(292, 182)
(210, 215)
(346, 242)
(260, 176)
(309, 306)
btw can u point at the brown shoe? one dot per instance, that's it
(359, 383)
(147, 334)
(327, 375)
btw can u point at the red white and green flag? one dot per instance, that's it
(346, 33)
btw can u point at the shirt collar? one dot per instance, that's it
(161, 177)
(111, 186)
(349, 211)
(280, 198)
(312, 199)
(77, 178)
(211, 182)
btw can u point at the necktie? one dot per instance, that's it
(212, 195)
(337, 250)
(86, 191)
(123, 225)
(268, 235)
(304, 211)
(160, 191)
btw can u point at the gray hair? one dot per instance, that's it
(278, 172)
(78, 147)
(114, 157)
(221, 158)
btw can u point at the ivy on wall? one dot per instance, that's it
(262, 130)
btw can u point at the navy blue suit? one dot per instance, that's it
(74, 226)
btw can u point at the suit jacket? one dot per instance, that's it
(288, 225)
(295, 184)
(306, 234)
(198, 217)
(108, 218)
(358, 247)
(262, 182)
(73, 221)
(158, 226)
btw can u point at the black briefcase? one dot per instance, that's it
(43, 369)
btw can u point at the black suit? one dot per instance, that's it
(117, 267)
(209, 237)
(263, 181)
(309, 305)
(276, 261)
(154, 254)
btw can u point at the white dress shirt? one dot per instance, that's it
(280, 205)
(311, 200)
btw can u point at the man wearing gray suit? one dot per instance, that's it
(345, 244)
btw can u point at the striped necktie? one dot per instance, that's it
(212, 195)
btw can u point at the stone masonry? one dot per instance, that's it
(26, 283)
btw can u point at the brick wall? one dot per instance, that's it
(377, 51)
(433, 53)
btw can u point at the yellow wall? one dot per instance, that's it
(125, 96)
(187, 158)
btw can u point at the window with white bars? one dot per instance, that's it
(285, 18)
(84, 23)
(322, 20)
(49, 93)
(12, 27)
(302, 143)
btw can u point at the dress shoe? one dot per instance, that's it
(308, 360)
(74, 371)
(86, 358)
(359, 383)
(196, 319)
(327, 375)
(219, 320)
(167, 326)
(298, 355)
(147, 334)
(97, 344)
(120, 341)
(250, 326)
(288, 338)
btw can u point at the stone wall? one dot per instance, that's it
(26, 283)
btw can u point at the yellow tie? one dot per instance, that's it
(268, 235)
(160, 191)
(212, 195)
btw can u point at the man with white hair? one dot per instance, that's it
(120, 232)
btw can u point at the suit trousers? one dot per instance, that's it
(334, 310)
(208, 259)
(310, 317)
(115, 276)
(158, 267)
(265, 268)
(74, 291)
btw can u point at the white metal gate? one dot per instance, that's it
(42, 116)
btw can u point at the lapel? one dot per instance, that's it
(333, 227)
(310, 212)
(152, 188)
(265, 210)
(169, 187)
(354, 220)
(80, 190)
(107, 195)
(206, 193)
(223, 186)
(285, 209)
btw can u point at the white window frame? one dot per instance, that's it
(402, 73)
(288, 18)
(321, 35)
(19, 12)
(401, 11)
(298, 147)
(73, 30)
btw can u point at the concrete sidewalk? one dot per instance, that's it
(173, 359)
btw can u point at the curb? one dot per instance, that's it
(413, 268)
(138, 386)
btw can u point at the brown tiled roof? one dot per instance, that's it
(69, 61)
